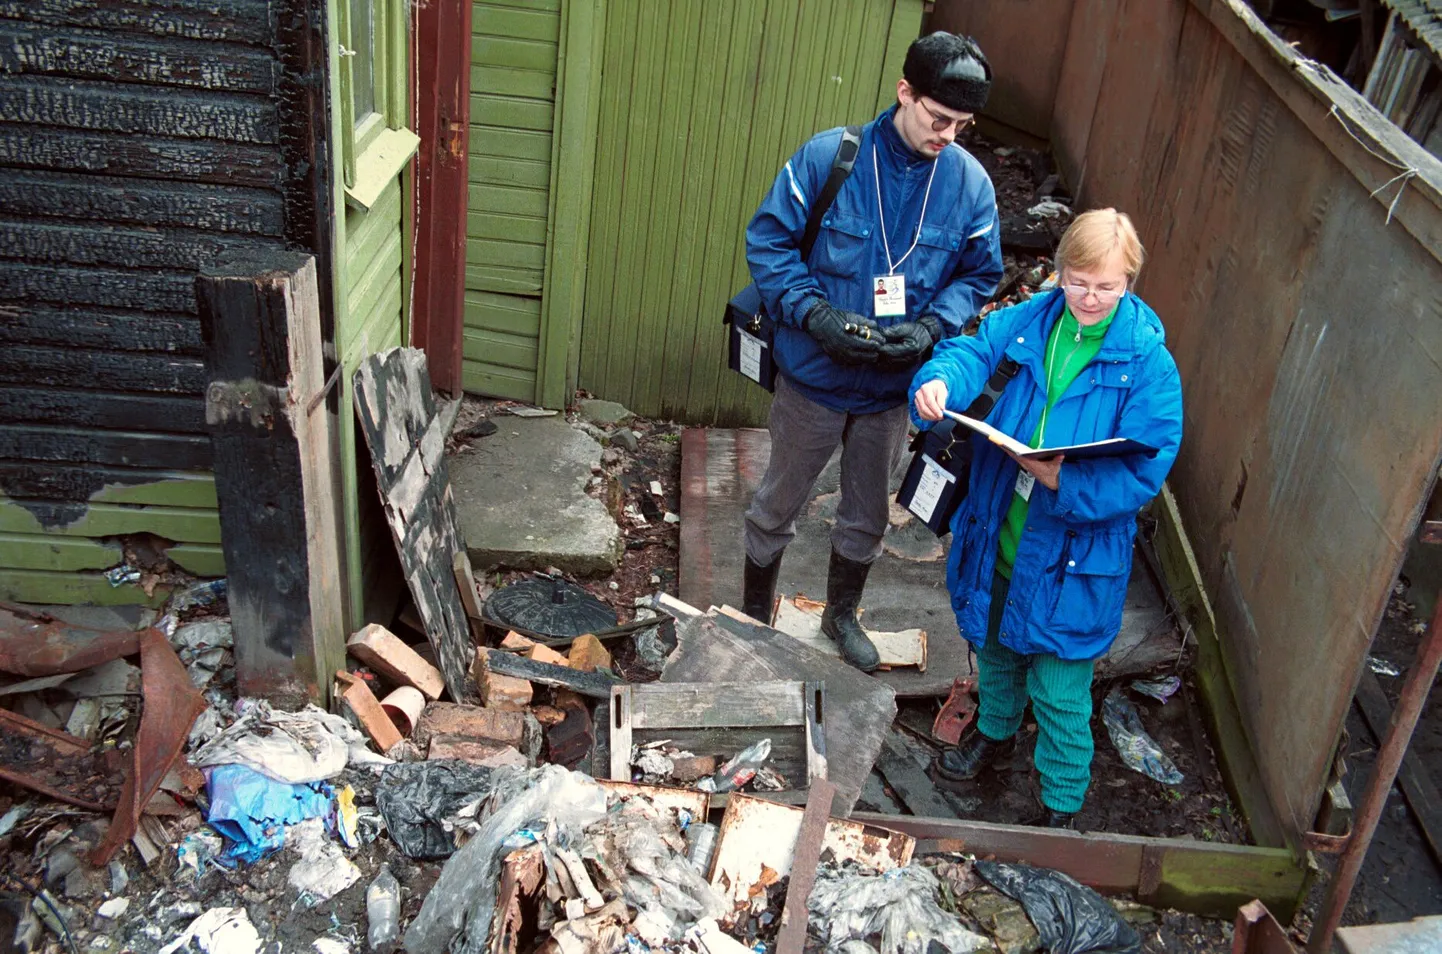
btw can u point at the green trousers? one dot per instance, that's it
(1061, 702)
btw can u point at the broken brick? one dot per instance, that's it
(588, 654)
(475, 751)
(548, 715)
(471, 722)
(546, 654)
(504, 692)
(515, 640)
(367, 708)
(384, 652)
(694, 767)
(573, 738)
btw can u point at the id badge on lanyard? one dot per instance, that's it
(889, 296)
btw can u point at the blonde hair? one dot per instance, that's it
(1094, 236)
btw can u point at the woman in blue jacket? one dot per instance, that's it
(1042, 550)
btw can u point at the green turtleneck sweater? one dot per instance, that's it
(1069, 349)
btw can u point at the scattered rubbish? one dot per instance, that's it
(739, 770)
(1050, 209)
(670, 517)
(851, 903)
(957, 712)
(203, 635)
(657, 489)
(383, 912)
(347, 820)
(37, 644)
(651, 648)
(417, 799)
(14, 816)
(306, 746)
(120, 575)
(1160, 689)
(198, 849)
(387, 654)
(1133, 744)
(366, 709)
(549, 607)
(1070, 917)
(323, 870)
(701, 845)
(524, 411)
(252, 810)
(113, 908)
(1382, 667)
(330, 945)
(219, 931)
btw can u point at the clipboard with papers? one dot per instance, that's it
(1111, 447)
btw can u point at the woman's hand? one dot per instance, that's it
(931, 401)
(1047, 472)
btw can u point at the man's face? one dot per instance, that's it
(918, 119)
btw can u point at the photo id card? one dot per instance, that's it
(751, 347)
(1024, 483)
(934, 481)
(889, 292)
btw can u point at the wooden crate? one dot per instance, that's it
(721, 719)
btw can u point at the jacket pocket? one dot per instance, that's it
(937, 250)
(1092, 577)
(841, 245)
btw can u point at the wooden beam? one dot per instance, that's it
(1416, 783)
(1196, 876)
(260, 321)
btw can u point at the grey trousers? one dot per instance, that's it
(803, 436)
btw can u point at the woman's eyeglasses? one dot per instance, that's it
(1105, 296)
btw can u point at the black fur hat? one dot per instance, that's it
(949, 69)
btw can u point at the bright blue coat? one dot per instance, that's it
(1074, 558)
(951, 274)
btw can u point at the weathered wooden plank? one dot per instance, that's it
(127, 448)
(113, 409)
(113, 245)
(222, 208)
(65, 554)
(26, 49)
(198, 559)
(488, 141)
(58, 494)
(240, 21)
(100, 330)
(502, 350)
(160, 157)
(503, 111)
(498, 382)
(265, 364)
(367, 232)
(595, 684)
(502, 280)
(381, 275)
(113, 287)
(105, 520)
(909, 780)
(1416, 783)
(520, 173)
(398, 417)
(49, 586)
(379, 329)
(700, 705)
(487, 20)
(84, 104)
(511, 255)
(531, 84)
(40, 366)
(507, 200)
(505, 227)
(518, 54)
(521, 4)
(514, 314)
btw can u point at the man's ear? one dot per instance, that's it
(904, 92)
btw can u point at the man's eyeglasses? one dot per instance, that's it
(941, 123)
(1105, 296)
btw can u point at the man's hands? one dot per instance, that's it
(907, 343)
(931, 401)
(1047, 472)
(828, 326)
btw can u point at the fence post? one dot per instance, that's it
(275, 473)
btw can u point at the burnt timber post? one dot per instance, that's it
(274, 473)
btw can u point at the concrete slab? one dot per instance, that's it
(720, 470)
(521, 497)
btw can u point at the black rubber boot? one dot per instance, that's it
(758, 599)
(845, 580)
(972, 754)
(1056, 819)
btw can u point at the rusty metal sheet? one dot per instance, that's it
(35, 644)
(756, 833)
(57, 764)
(171, 704)
(1307, 332)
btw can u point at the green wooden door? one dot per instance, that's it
(514, 52)
(701, 105)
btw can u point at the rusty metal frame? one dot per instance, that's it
(1257, 932)
(1201, 877)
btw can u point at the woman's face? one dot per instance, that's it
(1093, 292)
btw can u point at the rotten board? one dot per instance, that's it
(1412, 777)
(597, 684)
(910, 781)
(406, 437)
(859, 709)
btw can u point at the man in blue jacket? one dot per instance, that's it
(908, 252)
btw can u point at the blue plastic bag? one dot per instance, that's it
(252, 810)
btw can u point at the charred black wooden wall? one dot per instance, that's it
(140, 140)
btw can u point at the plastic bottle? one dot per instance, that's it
(383, 911)
(739, 770)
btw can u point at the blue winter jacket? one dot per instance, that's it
(1074, 558)
(951, 274)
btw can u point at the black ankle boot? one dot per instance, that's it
(972, 754)
(758, 599)
(844, 582)
(1056, 819)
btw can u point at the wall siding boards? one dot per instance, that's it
(139, 141)
(735, 89)
(514, 51)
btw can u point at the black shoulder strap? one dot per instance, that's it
(840, 168)
(986, 400)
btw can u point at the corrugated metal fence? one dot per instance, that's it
(701, 104)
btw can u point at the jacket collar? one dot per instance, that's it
(1123, 342)
(891, 145)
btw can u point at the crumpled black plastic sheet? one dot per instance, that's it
(1070, 917)
(415, 798)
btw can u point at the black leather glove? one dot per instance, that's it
(908, 343)
(828, 326)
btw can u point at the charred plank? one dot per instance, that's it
(63, 367)
(113, 245)
(220, 208)
(161, 157)
(100, 330)
(239, 21)
(88, 105)
(107, 409)
(126, 448)
(118, 288)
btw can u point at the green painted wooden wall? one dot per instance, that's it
(514, 52)
(701, 105)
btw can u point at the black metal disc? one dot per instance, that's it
(550, 608)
